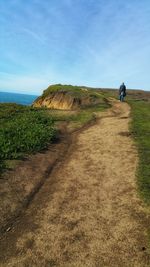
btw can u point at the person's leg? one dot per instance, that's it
(121, 96)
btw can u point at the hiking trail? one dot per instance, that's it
(91, 214)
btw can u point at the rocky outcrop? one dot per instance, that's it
(58, 100)
(66, 99)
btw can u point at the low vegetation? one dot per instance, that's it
(76, 91)
(141, 131)
(86, 115)
(24, 130)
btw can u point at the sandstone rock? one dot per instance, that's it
(66, 97)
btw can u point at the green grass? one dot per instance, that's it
(141, 131)
(86, 115)
(75, 91)
(78, 118)
(23, 130)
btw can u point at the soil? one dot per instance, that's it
(87, 212)
(23, 180)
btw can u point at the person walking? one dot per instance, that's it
(122, 92)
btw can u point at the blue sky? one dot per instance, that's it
(98, 43)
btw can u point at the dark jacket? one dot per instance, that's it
(122, 89)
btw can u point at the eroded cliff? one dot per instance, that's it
(67, 97)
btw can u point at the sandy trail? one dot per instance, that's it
(90, 215)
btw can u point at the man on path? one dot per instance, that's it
(122, 92)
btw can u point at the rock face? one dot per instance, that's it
(58, 100)
(65, 98)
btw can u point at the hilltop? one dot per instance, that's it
(68, 97)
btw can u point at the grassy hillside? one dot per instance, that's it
(141, 131)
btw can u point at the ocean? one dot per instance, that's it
(17, 98)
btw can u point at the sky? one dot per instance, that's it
(97, 43)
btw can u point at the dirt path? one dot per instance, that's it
(88, 212)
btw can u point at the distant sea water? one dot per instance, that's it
(17, 98)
